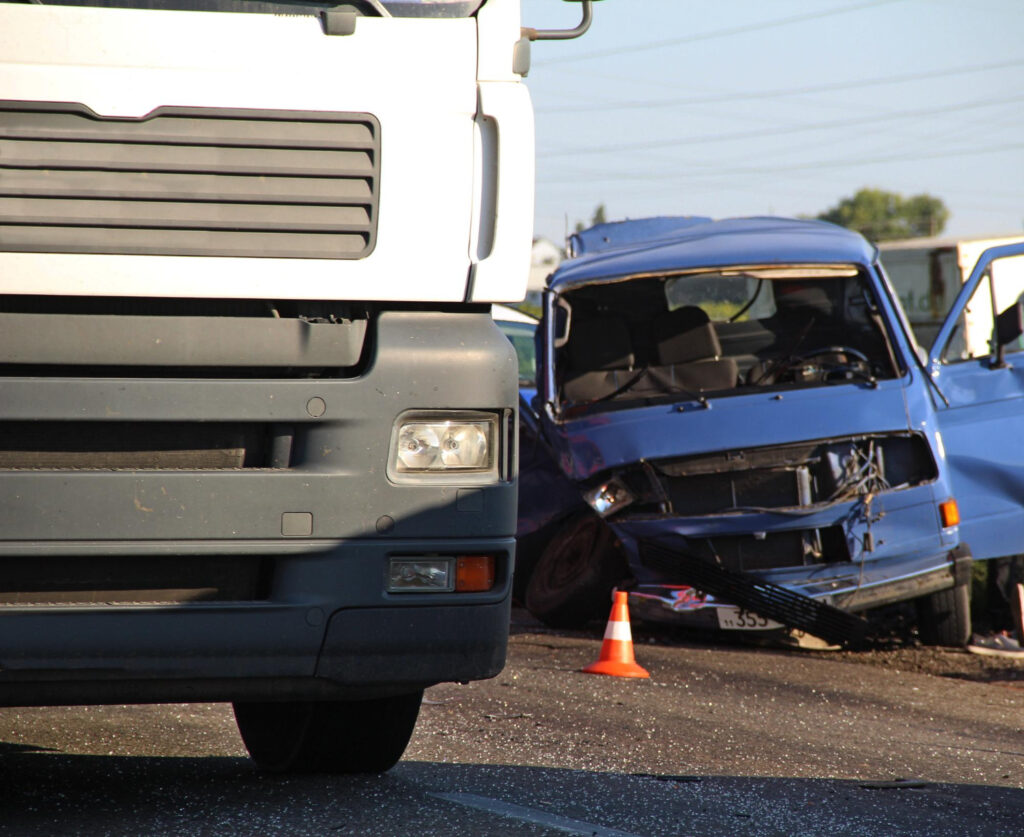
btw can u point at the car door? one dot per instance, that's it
(977, 365)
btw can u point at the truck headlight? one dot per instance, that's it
(436, 444)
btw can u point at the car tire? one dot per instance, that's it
(366, 736)
(944, 618)
(574, 576)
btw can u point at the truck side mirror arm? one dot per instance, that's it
(563, 34)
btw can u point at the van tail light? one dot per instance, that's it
(950, 513)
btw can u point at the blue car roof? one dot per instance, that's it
(662, 245)
(619, 234)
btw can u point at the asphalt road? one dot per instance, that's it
(721, 740)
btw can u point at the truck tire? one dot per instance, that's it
(944, 618)
(574, 577)
(365, 736)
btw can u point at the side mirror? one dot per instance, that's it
(1009, 327)
(564, 34)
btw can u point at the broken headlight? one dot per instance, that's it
(609, 497)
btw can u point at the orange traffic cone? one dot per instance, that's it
(617, 649)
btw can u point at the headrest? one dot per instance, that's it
(685, 335)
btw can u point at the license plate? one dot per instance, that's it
(737, 619)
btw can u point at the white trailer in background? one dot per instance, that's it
(928, 273)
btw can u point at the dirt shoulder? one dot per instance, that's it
(941, 662)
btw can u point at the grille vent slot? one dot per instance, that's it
(134, 580)
(120, 445)
(188, 181)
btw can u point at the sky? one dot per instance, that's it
(779, 107)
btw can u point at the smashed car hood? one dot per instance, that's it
(590, 445)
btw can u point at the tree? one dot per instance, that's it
(926, 215)
(883, 216)
(597, 218)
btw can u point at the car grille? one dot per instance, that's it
(799, 475)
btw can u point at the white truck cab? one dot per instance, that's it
(257, 426)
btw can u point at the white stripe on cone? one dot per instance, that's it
(618, 631)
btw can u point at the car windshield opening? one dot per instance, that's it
(719, 333)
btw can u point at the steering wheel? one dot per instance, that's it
(846, 362)
(831, 350)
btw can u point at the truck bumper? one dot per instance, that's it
(327, 628)
(158, 579)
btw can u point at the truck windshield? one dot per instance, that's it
(396, 8)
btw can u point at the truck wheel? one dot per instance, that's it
(364, 736)
(944, 618)
(575, 574)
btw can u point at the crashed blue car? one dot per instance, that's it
(733, 421)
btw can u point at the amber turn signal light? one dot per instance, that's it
(474, 573)
(950, 513)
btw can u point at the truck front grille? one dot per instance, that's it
(133, 580)
(188, 182)
(127, 445)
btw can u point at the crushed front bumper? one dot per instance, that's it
(845, 586)
(879, 551)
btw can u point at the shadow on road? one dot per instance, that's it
(44, 793)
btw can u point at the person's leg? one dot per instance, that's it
(1002, 610)
(998, 594)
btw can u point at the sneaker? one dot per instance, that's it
(997, 645)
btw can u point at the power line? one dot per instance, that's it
(719, 33)
(866, 132)
(821, 164)
(792, 129)
(791, 91)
